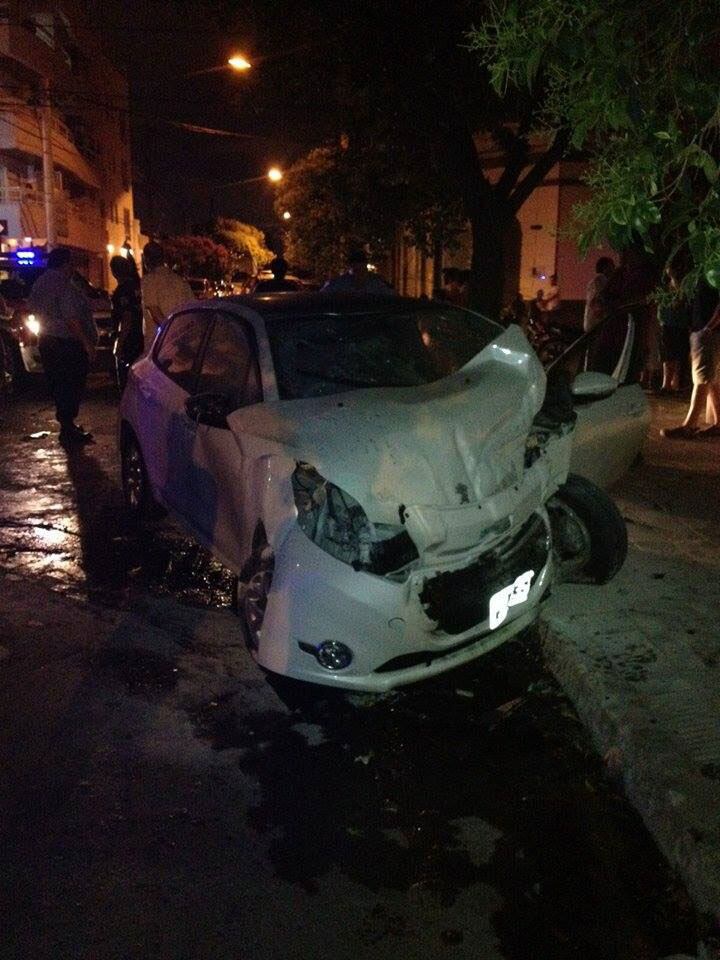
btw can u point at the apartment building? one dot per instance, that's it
(65, 171)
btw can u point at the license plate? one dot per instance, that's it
(511, 596)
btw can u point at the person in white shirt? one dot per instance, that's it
(162, 290)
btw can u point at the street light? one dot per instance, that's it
(239, 62)
(236, 62)
(274, 174)
(286, 215)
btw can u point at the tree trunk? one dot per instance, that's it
(487, 265)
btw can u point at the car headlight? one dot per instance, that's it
(336, 522)
(33, 324)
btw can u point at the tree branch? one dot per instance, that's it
(540, 169)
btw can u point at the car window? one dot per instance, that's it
(180, 346)
(229, 365)
(391, 346)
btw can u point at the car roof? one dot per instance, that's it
(288, 304)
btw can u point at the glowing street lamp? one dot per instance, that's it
(286, 215)
(274, 174)
(239, 62)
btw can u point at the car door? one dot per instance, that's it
(166, 433)
(612, 425)
(229, 378)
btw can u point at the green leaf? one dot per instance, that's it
(663, 135)
(712, 275)
(532, 65)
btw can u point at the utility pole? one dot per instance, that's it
(48, 167)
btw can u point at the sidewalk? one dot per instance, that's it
(640, 657)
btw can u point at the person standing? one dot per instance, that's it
(551, 295)
(597, 306)
(126, 316)
(279, 282)
(162, 290)
(358, 279)
(674, 319)
(453, 287)
(705, 364)
(66, 342)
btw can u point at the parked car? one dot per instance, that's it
(102, 315)
(203, 288)
(20, 330)
(383, 475)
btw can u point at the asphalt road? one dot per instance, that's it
(162, 798)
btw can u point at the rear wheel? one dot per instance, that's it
(589, 532)
(139, 502)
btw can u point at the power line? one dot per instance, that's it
(63, 101)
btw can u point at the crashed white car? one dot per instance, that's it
(382, 474)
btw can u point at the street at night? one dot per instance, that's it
(359, 480)
(164, 798)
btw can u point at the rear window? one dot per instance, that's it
(390, 347)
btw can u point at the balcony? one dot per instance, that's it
(78, 222)
(20, 134)
(24, 211)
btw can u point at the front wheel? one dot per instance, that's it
(588, 530)
(13, 377)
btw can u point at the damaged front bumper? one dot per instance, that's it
(440, 616)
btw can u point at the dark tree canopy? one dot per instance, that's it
(636, 86)
(398, 85)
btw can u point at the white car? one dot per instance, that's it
(382, 475)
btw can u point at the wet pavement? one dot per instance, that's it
(164, 799)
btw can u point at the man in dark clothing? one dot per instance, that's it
(126, 316)
(67, 340)
(279, 282)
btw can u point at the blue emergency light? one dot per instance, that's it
(28, 256)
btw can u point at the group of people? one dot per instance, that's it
(139, 306)
(693, 327)
(69, 337)
(684, 331)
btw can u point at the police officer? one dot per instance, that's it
(66, 342)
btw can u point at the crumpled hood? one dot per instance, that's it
(455, 441)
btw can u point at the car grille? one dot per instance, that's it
(460, 599)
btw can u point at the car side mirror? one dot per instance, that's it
(591, 385)
(210, 409)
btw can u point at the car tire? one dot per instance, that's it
(140, 506)
(13, 376)
(589, 532)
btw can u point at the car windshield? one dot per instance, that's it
(399, 346)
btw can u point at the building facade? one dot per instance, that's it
(540, 246)
(65, 164)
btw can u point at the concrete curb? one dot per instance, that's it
(640, 656)
(674, 799)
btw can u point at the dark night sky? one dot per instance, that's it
(160, 44)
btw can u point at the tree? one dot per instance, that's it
(635, 85)
(245, 243)
(398, 81)
(198, 256)
(346, 196)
